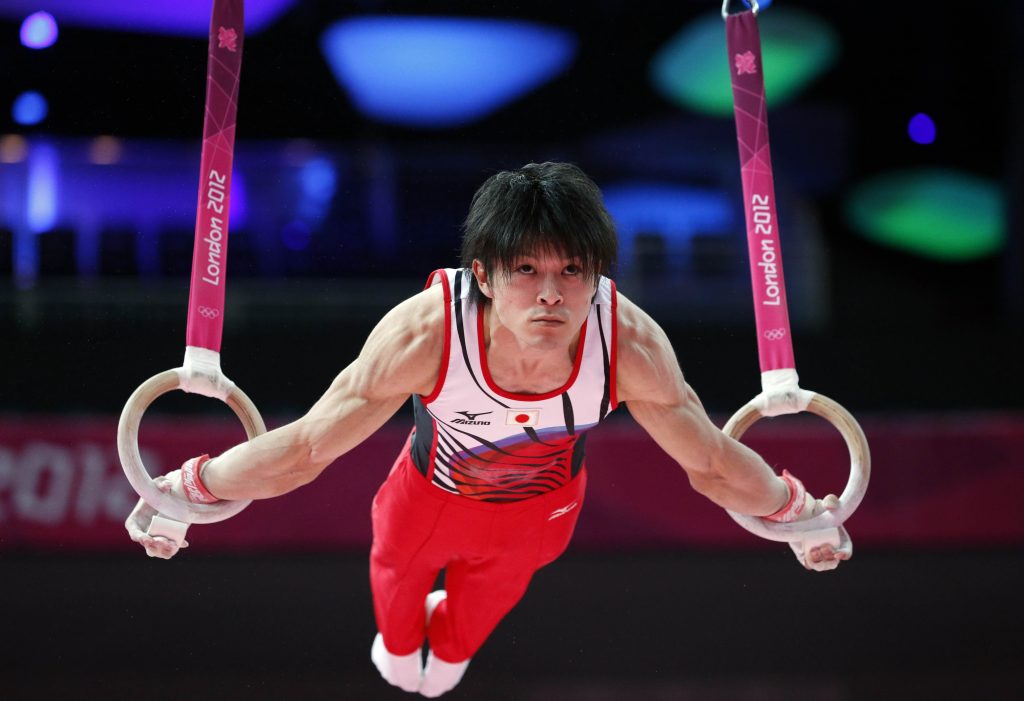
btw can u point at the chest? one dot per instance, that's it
(526, 378)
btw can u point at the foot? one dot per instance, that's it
(403, 671)
(440, 676)
(434, 598)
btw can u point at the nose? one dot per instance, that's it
(550, 292)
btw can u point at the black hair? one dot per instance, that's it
(539, 208)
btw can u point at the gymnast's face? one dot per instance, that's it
(543, 300)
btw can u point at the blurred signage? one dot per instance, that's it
(936, 482)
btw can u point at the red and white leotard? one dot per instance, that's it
(489, 485)
(474, 439)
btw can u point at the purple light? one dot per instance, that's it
(175, 17)
(39, 31)
(921, 129)
(239, 212)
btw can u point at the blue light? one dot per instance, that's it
(441, 72)
(175, 17)
(29, 108)
(921, 129)
(238, 214)
(39, 30)
(296, 235)
(675, 212)
(42, 187)
(318, 179)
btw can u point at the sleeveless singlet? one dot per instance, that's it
(474, 439)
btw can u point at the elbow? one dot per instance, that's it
(710, 477)
(707, 483)
(309, 463)
(307, 458)
(301, 468)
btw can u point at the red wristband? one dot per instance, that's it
(195, 491)
(792, 509)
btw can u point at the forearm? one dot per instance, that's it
(288, 457)
(267, 466)
(738, 479)
(724, 470)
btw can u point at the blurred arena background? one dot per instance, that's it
(364, 129)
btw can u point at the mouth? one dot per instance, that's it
(548, 320)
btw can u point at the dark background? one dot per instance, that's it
(892, 325)
(898, 336)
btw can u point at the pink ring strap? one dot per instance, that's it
(210, 252)
(774, 341)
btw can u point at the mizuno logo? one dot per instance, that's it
(563, 511)
(471, 418)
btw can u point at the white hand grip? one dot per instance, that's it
(168, 528)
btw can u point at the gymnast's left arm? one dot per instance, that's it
(651, 383)
(729, 473)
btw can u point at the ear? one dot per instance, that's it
(480, 273)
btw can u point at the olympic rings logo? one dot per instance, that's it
(208, 312)
(775, 334)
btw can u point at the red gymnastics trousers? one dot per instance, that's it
(489, 552)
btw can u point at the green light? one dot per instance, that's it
(941, 214)
(692, 69)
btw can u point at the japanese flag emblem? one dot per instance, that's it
(522, 417)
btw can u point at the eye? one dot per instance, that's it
(573, 269)
(525, 268)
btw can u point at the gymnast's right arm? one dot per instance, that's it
(401, 356)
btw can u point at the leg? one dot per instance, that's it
(439, 676)
(479, 596)
(399, 588)
(458, 625)
(396, 651)
(402, 571)
(483, 588)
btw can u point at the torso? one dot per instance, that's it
(506, 431)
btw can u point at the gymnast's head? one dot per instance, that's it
(539, 209)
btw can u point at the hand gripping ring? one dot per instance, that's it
(860, 471)
(131, 460)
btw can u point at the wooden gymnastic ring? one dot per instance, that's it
(131, 460)
(856, 485)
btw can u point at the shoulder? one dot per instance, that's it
(403, 352)
(422, 313)
(639, 336)
(647, 364)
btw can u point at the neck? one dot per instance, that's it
(517, 366)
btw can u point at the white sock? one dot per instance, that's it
(403, 671)
(440, 676)
(433, 599)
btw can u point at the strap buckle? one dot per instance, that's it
(754, 7)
